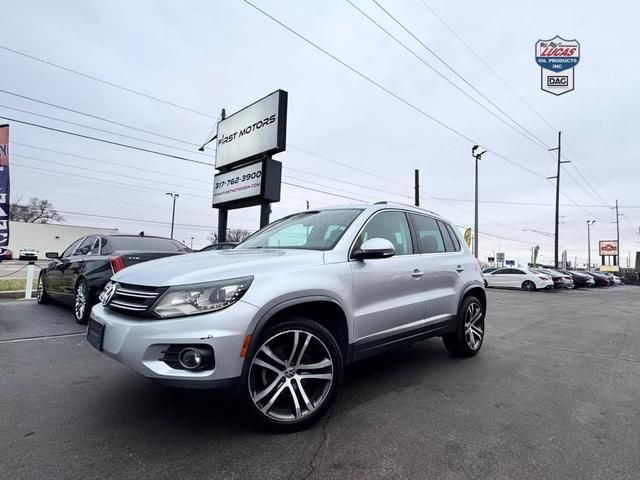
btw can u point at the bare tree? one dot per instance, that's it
(36, 211)
(233, 235)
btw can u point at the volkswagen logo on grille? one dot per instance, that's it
(108, 293)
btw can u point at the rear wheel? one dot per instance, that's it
(529, 286)
(82, 302)
(294, 375)
(42, 296)
(467, 339)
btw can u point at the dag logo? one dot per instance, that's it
(557, 58)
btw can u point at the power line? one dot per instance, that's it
(524, 102)
(111, 162)
(110, 132)
(537, 140)
(88, 137)
(386, 90)
(106, 82)
(96, 117)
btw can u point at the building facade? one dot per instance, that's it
(47, 237)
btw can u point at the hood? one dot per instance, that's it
(216, 265)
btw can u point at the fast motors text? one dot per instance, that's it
(247, 130)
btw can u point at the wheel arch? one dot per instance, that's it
(477, 291)
(325, 310)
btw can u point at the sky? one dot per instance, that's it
(349, 140)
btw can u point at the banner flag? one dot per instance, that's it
(4, 186)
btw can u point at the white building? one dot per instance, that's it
(47, 237)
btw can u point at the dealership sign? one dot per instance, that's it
(557, 58)
(4, 186)
(248, 185)
(257, 130)
(608, 248)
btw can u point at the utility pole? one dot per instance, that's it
(616, 259)
(557, 177)
(416, 182)
(589, 223)
(173, 211)
(477, 156)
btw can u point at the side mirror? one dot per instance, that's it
(52, 255)
(374, 248)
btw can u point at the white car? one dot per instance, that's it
(28, 254)
(518, 278)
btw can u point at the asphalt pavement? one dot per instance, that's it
(552, 395)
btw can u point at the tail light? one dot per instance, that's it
(117, 264)
(542, 277)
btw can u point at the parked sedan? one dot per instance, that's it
(580, 279)
(78, 275)
(30, 254)
(600, 280)
(518, 278)
(560, 280)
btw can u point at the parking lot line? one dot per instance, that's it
(44, 337)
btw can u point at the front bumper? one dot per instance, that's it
(139, 343)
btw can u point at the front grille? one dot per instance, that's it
(134, 299)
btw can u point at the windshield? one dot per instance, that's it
(312, 230)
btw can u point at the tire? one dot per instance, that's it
(486, 284)
(42, 297)
(469, 335)
(82, 302)
(529, 286)
(274, 393)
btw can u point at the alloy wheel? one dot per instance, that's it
(290, 376)
(81, 300)
(40, 288)
(474, 326)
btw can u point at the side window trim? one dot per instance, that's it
(445, 235)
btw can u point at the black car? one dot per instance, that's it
(580, 279)
(77, 276)
(601, 279)
(219, 246)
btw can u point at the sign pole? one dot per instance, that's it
(417, 187)
(265, 210)
(223, 218)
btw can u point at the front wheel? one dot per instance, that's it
(294, 375)
(469, 335)
(529, 286)
(42, 296)
(82, 302)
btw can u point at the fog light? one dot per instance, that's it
(190, 358)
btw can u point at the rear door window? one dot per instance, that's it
(430, 238)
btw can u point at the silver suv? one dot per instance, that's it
(279, 316)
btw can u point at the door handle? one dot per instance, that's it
(459, 269)
(417, 273)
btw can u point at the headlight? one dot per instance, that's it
(186, 300)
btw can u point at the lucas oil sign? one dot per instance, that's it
(557, 58)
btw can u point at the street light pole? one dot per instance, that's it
(173, 212)
(477, 156)
(589, 223)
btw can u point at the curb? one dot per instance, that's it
(12, 295)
